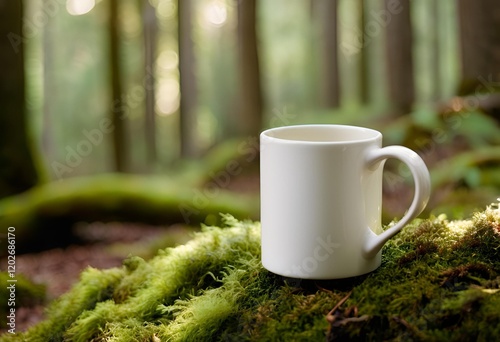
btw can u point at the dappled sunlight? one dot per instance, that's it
(168, 97)
(168, 60)
(166, 9)
(459, 227)
(215, 13)
(79, 7)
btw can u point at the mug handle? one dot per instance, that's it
(422, 191)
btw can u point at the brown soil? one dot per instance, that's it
(58, 269)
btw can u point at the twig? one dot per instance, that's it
(414, 330)
(330, 317)
(345, 321)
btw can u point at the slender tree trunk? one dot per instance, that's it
(436, 55)
(399, 44)
(49, 86)
(150, 32)
(118, 114)
(224, 96)
(17, 168)
(327, 15)
(480, 45)
(249, 118)
(188, 86)
(363, 57)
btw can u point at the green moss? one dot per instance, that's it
(94, 287)
(26, 294)
(57, 206)
(439, 280)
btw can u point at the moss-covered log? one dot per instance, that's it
(46, 213)
(465, 167)
(439, 280)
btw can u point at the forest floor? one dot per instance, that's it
(105, 245)
(102, 246)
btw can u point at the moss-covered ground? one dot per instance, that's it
(439, 281)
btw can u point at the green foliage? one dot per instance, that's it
(132, 198)
(26, 293)
(95, 286)
(439, 280)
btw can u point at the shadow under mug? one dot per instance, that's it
(321, 199)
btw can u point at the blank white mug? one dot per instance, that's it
(321, 199)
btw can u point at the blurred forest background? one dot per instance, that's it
(121, 118)
(181, 89)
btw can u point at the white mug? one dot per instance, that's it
(321, 199)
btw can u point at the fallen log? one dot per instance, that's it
(45, 214)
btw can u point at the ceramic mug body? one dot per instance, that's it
(321, 199)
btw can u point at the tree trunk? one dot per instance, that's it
(399, 55)
(363, 57)
(480, 45)
(327, 15)
(150, 32)
(248, 120)
(17, 168)
(49, 89)
(119, 105)
(436, 55)
(187, 80)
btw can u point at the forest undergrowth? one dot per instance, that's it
(439, 280)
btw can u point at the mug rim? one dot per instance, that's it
(371, 134)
